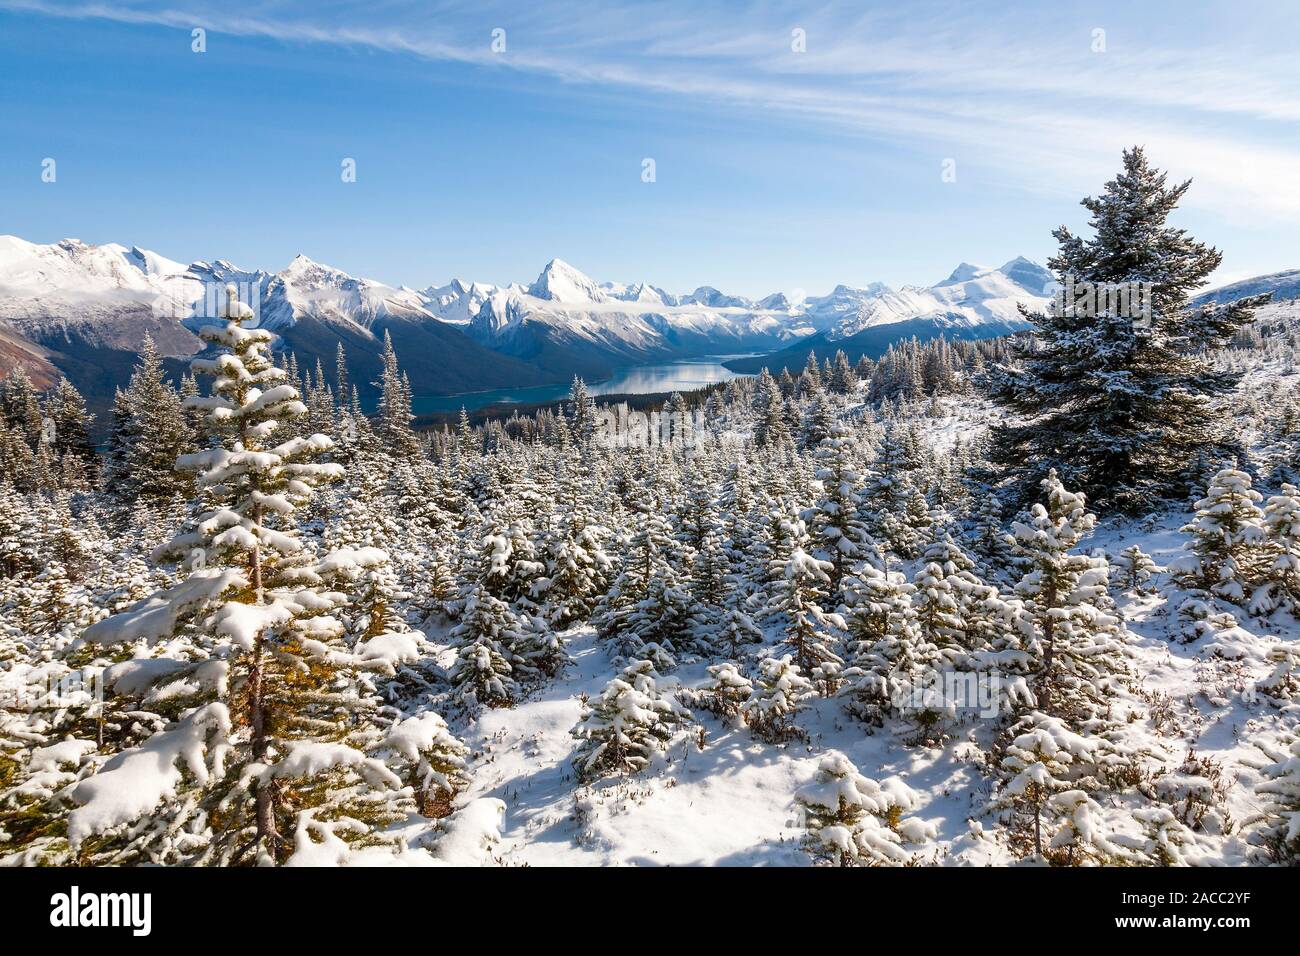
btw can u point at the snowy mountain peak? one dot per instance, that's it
(1030, 275)
(306, 268)
(561, 282)
(711, 297)
(644, 292)
(564, 313)
(776, 302)
(457, 302)
(150, 263)
(74, 271)
(965, 272)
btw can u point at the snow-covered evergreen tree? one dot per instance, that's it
(1116, 400)
(725, 693)
(277, 720)
(776, 698)
(1075, 639)
(839, 534)
(810, 631)
(627, 724)
(577, 567)
(1048, 771)
(492, 643)
(1134, 568)
(648, 603)
(1282, 530)
(1227, 538)
(148, 431)
(771, 428)
(1279, 830)
(428, 758)
(855, 821)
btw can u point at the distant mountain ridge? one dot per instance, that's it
(81, 310)
(70, 306)
(1282, 285)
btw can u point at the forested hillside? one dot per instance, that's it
(1028, 599)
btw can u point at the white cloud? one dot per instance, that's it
(1017, 101)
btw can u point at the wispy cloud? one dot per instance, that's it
(1022, 99)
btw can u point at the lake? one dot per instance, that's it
(680, 376)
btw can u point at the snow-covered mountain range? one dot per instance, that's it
(80, 310)
(1282, 286)
(640, 315)
(69, 305)
(71, 280)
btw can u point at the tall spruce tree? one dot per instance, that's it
(1117, 401)
(148, 431)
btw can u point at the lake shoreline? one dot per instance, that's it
(662, 378)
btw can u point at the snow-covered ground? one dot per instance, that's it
(726, 798)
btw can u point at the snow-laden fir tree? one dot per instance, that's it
(1134, 568)
(428, 758)
(1117, 398)
(989, 538)
(839, 534)
(435, 592)
(1279, 792)
(1282, 529)
(737, 626)
(507, 559)
(1076, 641)
(711, 588)
(853, 820)
(147, 432)
(497, 610)
(55, 728)
(698, 514)
(582, 409)
(1164, 841)
(1048, 772)
(725, 693)
(771, 428)
(710, 571)
(577, 566)
(810, 632)
(631, 720)
(648, 603)
(394, 418)
(667, 617)
(52, 606)
(492, 644)
(1227, 546)
(819, 422)
(69, 421)
(278, 723)
(843, 381)
(900, 512)
(739, 513)
(881, 628)
(945, 594)
(776, 698)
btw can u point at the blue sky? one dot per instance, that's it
(776, 169)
